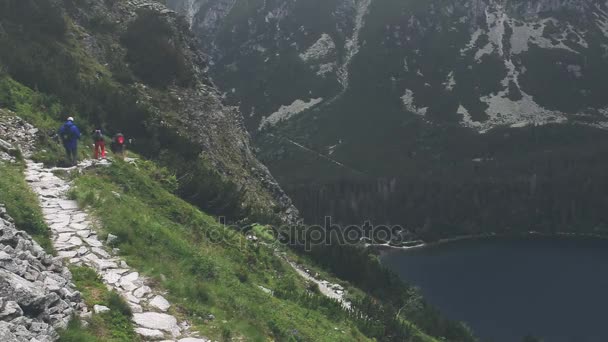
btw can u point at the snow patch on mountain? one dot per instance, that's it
(287, 112)
(474, 38)
(467, 120)
(503, 111)
(409, 103)
(496, 28)
(326, 68)
(602, 20)
(320, 50)
(450, 83)
(353, 45)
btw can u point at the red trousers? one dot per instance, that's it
(100, 149)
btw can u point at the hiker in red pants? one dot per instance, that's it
(100, 144)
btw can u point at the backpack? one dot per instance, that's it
(98, 136)
(120, 140)
(66, 134)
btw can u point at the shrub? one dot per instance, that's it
(154, 51)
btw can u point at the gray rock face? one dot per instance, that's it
(36, 296)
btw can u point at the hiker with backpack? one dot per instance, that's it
(100, 144)
(69, 134)
(119, 147)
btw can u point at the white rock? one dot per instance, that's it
(93, 242)
(133, 276)
(111, 239)
(83, 251)
(131, 298)
(100, 252)
(68, 205)
(150, 334)
(160, 303)
(77, 218)
(101, 264)
(154, 320)
(136, 308)
(67, 254)
(84, 233)
(142, 291)
(192, 339)
(100, 309)
(79, 226)
(64, 237)
(111, 277)
(74, 241)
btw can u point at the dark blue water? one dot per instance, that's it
(507, 288)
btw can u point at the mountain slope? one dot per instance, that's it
(446, 108)
(133, 67)
(530, 62)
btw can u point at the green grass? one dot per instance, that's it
(22, 204)
(207, 268)
(112, 326)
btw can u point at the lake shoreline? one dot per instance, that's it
(386, 248)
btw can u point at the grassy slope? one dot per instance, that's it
(169, 240)
(112, 326)
(22, 205)
(207, 268)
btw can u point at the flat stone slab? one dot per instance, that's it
(150, 334)
(93, 242)
(155, 320)
(67, 254)
(111, 278)
(142, 291)
(79, 226)
(75, 241)
(68, 205)
(100, 252)
(63, 237)
(85, 233)
(160, 303)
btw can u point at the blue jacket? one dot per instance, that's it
(73, 134)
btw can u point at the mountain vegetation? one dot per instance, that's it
(85, 59)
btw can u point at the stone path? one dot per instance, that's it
(77, 243)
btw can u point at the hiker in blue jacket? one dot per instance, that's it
(70, 134)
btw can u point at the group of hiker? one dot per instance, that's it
(70, 135)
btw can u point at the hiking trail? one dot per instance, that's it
(76, 241)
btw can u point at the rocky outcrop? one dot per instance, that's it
(36, 293)
(192, 112)
(18, 136)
